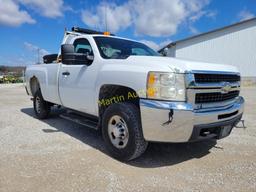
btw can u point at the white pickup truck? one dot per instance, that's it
(133, 95)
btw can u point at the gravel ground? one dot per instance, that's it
(57, 155)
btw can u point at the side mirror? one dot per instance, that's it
(70, 57)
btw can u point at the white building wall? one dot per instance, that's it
(235, 46)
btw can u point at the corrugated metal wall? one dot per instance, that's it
(235, 46)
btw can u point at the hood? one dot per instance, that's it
(178, 65)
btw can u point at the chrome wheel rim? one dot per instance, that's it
(118, 132)
(38, 105)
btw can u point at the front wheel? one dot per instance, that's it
(41, 107)
(122, 132)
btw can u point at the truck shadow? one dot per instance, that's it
(157, 154)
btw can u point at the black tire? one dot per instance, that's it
(41, 107)
(136, 144)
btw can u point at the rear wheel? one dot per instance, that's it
(41, 107)
(122, 131)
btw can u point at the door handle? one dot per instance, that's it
(66, 73)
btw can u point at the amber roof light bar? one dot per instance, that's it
(89, 31)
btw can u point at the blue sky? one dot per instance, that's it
(29, 25)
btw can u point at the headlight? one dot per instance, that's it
(166, 86)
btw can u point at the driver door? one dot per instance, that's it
(76, 87)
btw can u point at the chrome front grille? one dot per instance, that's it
(216, 89)
(215, 97)
(216, 78)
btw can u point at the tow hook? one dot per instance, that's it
(170, 118)
(243, 124)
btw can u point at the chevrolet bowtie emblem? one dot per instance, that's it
(226, 87)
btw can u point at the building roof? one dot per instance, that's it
(206, 33)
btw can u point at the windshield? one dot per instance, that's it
(114, 48)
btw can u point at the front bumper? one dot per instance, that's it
(164, 121)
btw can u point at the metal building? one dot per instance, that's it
(234, 45)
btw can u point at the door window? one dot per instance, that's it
(83, 46)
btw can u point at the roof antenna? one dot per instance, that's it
(106, 23)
